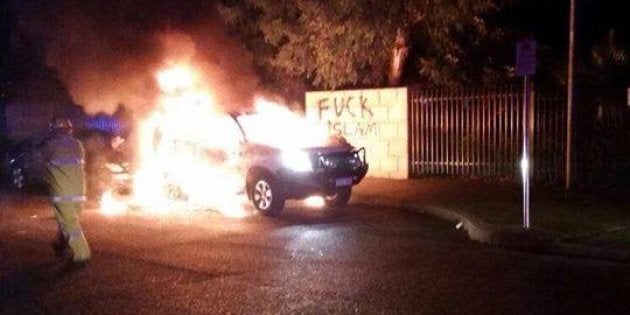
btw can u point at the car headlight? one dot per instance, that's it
(355, 161)
(297, 161)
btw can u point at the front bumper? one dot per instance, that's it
(330, 173)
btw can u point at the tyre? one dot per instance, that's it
(266, 196)
(340, 198)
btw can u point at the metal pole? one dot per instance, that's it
(525, 160)
(568, 151)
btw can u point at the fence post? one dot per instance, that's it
(568, 153)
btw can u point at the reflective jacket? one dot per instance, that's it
(64, 172)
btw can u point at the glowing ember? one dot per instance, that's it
(111, 206)
(314, 202)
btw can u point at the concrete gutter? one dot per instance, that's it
(510, 237)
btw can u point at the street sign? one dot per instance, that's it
(526, 66)
(526, 157)
(526, 57)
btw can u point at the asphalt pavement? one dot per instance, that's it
(359, 259)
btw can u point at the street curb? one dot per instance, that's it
(510, 237)
(486, 233)
(582, 251)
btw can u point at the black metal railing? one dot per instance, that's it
(474, 133)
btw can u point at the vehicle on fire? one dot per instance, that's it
(273, 175)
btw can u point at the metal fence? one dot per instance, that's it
(476, 133)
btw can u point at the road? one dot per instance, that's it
(355, 260)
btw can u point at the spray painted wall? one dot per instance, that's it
(374, 118)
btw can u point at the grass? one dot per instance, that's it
(583, 218)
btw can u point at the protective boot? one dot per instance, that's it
(60, 245)
(80, 248)
(67, 216)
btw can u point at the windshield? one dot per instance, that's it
(282, 132)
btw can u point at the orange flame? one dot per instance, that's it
(188, 154)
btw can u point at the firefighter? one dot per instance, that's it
(64, 173)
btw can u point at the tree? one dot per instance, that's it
(350, 43)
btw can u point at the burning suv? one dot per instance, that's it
(275, 172)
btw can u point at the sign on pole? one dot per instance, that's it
(526, 57)
(526, 66)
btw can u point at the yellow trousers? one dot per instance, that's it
(67, 215)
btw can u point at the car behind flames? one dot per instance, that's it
(273, 175)
(20, 166)
(23, 166)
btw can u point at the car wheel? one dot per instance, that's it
(17, 177)
(340, 198)
(266, 196)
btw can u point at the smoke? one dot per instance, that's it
(107, 52)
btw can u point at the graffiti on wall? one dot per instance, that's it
(347, 116)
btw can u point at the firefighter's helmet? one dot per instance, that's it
(61, 125)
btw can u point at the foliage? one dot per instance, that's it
(348, 43)
(608, 64)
